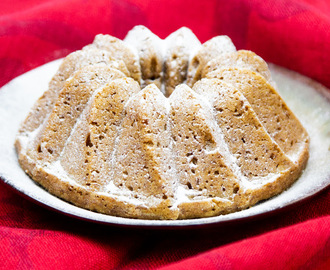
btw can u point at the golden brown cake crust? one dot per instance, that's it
(181, 44)
(285, 128)
(149, 51)
(99, 140)
(240, 59)
(73, 62)
(209, 50)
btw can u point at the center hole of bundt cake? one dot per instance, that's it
(166, 75)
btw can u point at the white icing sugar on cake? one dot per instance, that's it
(162, 129)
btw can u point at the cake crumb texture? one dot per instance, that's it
(162, 129)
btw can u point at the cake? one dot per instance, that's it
(162, 129)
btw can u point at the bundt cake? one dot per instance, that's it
(162, 129)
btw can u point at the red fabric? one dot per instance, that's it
(294, 34)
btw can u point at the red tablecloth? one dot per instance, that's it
(294, 34)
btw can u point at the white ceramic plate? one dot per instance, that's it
(308, 99)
